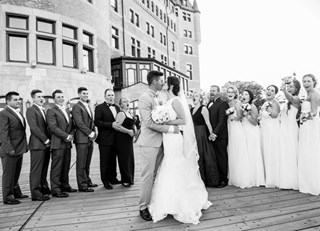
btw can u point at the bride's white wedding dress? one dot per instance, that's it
(178, 189)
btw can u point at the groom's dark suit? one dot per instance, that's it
(106, 139)
(13, 144)
(218, 120)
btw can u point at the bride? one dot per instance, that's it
(178, 189)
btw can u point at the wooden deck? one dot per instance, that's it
(233, 208)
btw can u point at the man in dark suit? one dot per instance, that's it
(62, 131)
(39, 146)
(84, 136)
(218, 119)
(105, 115)
(13, 144)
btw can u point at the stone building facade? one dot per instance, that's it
(54, 44)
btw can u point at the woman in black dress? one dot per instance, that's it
(124, 143)
(203, 130)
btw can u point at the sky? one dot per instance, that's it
(259, 40)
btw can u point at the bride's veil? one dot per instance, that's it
(190, 148)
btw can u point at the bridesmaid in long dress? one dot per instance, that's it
(124, 143)
(270, 133)
(239, 167)
(203, 129)
(252, 133)
(289, 133)
(309, 136)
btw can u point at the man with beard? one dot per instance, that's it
(218, 119)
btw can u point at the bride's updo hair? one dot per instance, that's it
(175, 83)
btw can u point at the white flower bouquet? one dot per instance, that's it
(246, 107)
(305, 116)
(287, 80)
(160, 114)
(266, 105)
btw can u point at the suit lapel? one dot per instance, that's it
(109, 110)
(39, 112)
(58, 109)
(85, 109)
(17, 117)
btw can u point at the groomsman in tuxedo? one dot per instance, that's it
(218, 119)
(62, 130)
(13, 145)
(84, 136)
(105, 116)
(39, 145)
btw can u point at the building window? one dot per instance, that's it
(148, 3)
(165, 18)
(45, 26)
(154, 54)
(131, 16)
(189, 34)
(134, 107)
(135, 48)
(188, 49)
(69, 51)
(69, 32)
(152, 6)
(157, 11)
(185, 33)
(88, 59)
(87, 38)
(45, 50)
(149, 52)
(173, 47)
(185, 3)
(152, 31)
(90, 1)
(131, 74)
(164, 40)
(189, 71)
(161, 14)
(164, 59)
(173, 64)
(137, 20)
(114, 5)
(17, 48)
(144, 70)
(17, 22)
(115, 37)
(148, 27)
(17, 41)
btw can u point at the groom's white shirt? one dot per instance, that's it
(151, 133)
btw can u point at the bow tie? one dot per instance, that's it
(110, 105)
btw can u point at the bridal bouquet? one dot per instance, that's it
(266, 105)
(246, 107)
(287, 80)
(230, 111)
(160, 114)
(305, 116)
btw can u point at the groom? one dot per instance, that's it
(150, 140)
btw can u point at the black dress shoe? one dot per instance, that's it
(91, 185)
(145, 215)
(46, 191)
(70, 190)
(222, 185)
(42, 198)
(86, 190)
(126, 185)
(21, 196)
(108, 186)
(115, 181)
(60, 195)
(12, 202)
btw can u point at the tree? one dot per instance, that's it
(256, 89)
